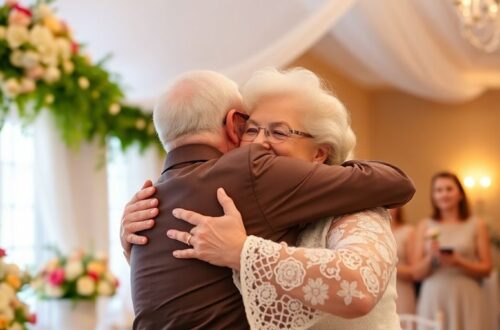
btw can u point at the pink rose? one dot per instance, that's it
(17, 17)
(93, 275)
(56, 277)
(32, 319)
(2, 253)
(23, 10)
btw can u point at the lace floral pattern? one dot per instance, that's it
(287, 288)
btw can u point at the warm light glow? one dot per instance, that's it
(469, 182)
(485, 181)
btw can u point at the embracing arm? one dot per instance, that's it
(292, 191)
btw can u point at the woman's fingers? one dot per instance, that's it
(189, 216)
(185, 254)
(181, 236)
(227, 203)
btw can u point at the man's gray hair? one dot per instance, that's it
(197, 102)
(325, 117)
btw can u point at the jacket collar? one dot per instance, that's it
(190, 153)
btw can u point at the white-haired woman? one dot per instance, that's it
(344, 266)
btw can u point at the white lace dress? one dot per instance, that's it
(287, 288)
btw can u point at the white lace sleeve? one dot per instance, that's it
(286, 288)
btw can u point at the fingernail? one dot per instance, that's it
(151, 222)
(152, 212)
(175, 212)
(175, 253)
(154, 202)
(170, 234)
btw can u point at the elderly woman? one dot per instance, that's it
(345, 266)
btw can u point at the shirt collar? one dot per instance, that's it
(190, 153)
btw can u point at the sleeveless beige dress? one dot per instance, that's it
(448, 290)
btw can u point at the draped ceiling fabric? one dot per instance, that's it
(412, 45)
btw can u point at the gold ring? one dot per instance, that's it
(189, 239)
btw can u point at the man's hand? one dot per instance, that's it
(217, 240)
(138, 215)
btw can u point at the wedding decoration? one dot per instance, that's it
(14, 314)
(43, 67)
(79, 276)
(480, 22)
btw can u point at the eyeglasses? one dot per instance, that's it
(274, 132)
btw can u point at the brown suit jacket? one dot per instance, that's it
(275, 195)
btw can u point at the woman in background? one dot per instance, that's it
(405, 239)
(452, 256)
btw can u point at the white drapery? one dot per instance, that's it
(413, 45)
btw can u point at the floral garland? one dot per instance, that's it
(43, 67)
(14, 314)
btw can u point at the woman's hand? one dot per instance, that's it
(137, 216)
(217, 240)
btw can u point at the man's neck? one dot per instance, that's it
(210, 139)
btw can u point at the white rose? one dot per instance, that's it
(27, 85)
(43, 11)
(83, 82)
(36, 73)
(53, 291)
(73, 269)
(11, 87)
(30, 59)
(16, 58)
(85, 286)
(16, 35)
(3, 32)
(13, 269)
(40, 36)
(63, 48)
(52, 74)
(104, 288)
(48, 54)
(7, 293)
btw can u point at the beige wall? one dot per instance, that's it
(423, 137)
(355, 98)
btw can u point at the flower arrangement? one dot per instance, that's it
(14, 314)
(43, 67)
(79, 276)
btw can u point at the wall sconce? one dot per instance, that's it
(482, 183)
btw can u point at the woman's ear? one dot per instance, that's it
(322, 153)
(231, 129)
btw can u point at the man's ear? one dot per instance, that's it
(231, 128)
(322, 153)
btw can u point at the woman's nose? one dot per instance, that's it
(262, 138)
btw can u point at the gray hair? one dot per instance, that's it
(326, 119)
(197, 102)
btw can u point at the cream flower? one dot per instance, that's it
(73, 269)
(3, 32)
(104, 288)
(13, 269)
(63, 48)
(68, 67)
(96, 267)
(35, 73)
(30, 59)
(140, 124)
(16, 35)
(114, 109)
(53, 291)
(83, 82)
(27, 85)
(85, 286)
(52, 74)
(11, 88)
(16, 58)
(16, 326)
(289, 274)
(316, 291)
(43, 11)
